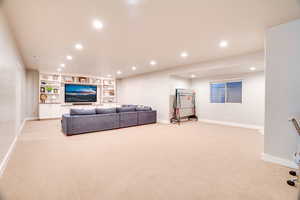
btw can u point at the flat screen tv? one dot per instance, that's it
(80, 93)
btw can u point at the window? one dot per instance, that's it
(217, 92)
(226, 92)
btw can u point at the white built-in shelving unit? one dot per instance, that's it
(51, 95)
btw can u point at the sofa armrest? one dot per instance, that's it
(65, 121)
(147, 117)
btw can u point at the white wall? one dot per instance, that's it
(12, 90)
(282, 89)
(149, 89)
(155, 89)
(249, 113)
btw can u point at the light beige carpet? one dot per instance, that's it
(194, 161)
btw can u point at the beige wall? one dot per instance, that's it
(32, 94)
(250, 113)
(12, 90)
(282, 89)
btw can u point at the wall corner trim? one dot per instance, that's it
(279, 161)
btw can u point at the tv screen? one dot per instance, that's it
(80, 93)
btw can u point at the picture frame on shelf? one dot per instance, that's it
(82, 79)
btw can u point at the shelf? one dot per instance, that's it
(50, 93)
(49, 103)
(78, 83)
(106, 86)
(45, 80)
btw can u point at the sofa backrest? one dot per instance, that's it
(129, 105)
(126, 109)
(105, 110)
(93, 111)
(80, 111)
(143, 108)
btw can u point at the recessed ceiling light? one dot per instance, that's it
(133, 2)
(252, 68)
(193, 76)
(119, 72)
(78, 46)
(97, 24)
(69, 57)
(59, 69)
(223, 44)
(184, 54)
(62, 65)
(153, 62)
(133, 68)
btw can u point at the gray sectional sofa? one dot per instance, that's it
(99, 119)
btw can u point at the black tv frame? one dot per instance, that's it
(81, 102)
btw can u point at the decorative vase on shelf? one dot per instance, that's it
(49, 89)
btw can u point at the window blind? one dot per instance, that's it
(217, 92)
(234, 92)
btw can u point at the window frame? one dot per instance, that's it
(225, 82)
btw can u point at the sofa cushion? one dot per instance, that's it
(126, 109)
(129, 105)
(105, 110)
(143, 108)
(80, 111)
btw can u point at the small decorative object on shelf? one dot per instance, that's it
(43, 98)
(111, 92)
(108, 82)
(43, 90)
(68, 79)
(55, 91)
(82, 79)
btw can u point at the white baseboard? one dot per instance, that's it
(232, 124)
(164, 121)
(11, 148)
(31, 118)
(280, 161)
(8, 154)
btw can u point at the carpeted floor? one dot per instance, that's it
(193, 161)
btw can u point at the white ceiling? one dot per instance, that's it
(221, 71)
(137, 31)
